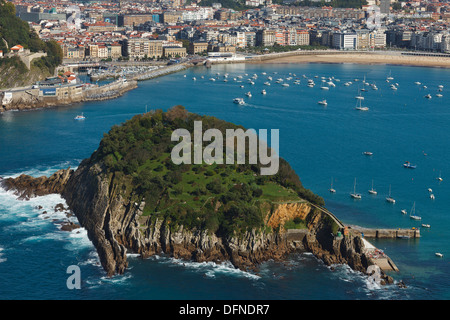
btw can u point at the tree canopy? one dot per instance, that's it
(222, 198)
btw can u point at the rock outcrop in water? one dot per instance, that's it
(121, 217)
(26, 187)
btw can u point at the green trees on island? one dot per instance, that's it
(222, 198)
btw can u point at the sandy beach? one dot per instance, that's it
(364, 58)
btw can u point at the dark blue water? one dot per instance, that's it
(321, 144)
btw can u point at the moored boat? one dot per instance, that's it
(389, 198)
(408, 165)
(355, 195)
(412, 214)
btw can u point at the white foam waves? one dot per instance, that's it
(208, 269)
(43, 170)
(41, 219)
(2, 257)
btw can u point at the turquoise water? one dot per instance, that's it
(321, 143)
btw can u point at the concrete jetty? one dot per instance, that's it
(380, 233)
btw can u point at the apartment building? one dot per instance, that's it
(141, 48)
(266, 37)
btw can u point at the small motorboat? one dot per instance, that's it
(408, 165)
(367, 153)
(323, 102)
(404, 211)
(426, 225)
(239, 101)
(80, 117)
(438, 254)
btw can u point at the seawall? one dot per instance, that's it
(380, 233)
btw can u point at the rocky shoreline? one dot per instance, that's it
(116, 226)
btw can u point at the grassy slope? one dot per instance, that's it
(220, 198)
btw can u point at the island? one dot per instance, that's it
(132, 198)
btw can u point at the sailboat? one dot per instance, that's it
(359, 96)
(412, 214)
(389, 198)
(331, 187)
(389, 77)
(360, 107)
(355, 195)
(372, 191)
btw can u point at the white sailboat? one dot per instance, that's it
(389, 77)
(355, 195)
(332, 190)
(389, 198)
(372, 191)
(412, 214)
(360, 107)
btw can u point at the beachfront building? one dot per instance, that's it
(266, 37)
(345, 40)
(445, 44)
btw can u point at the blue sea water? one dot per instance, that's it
(322, 144)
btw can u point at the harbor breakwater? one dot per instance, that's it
(44, 97)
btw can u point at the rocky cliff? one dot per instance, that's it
(132, 198)
(114, 220)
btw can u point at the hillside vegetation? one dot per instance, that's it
(14, 31)
(221, 198)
